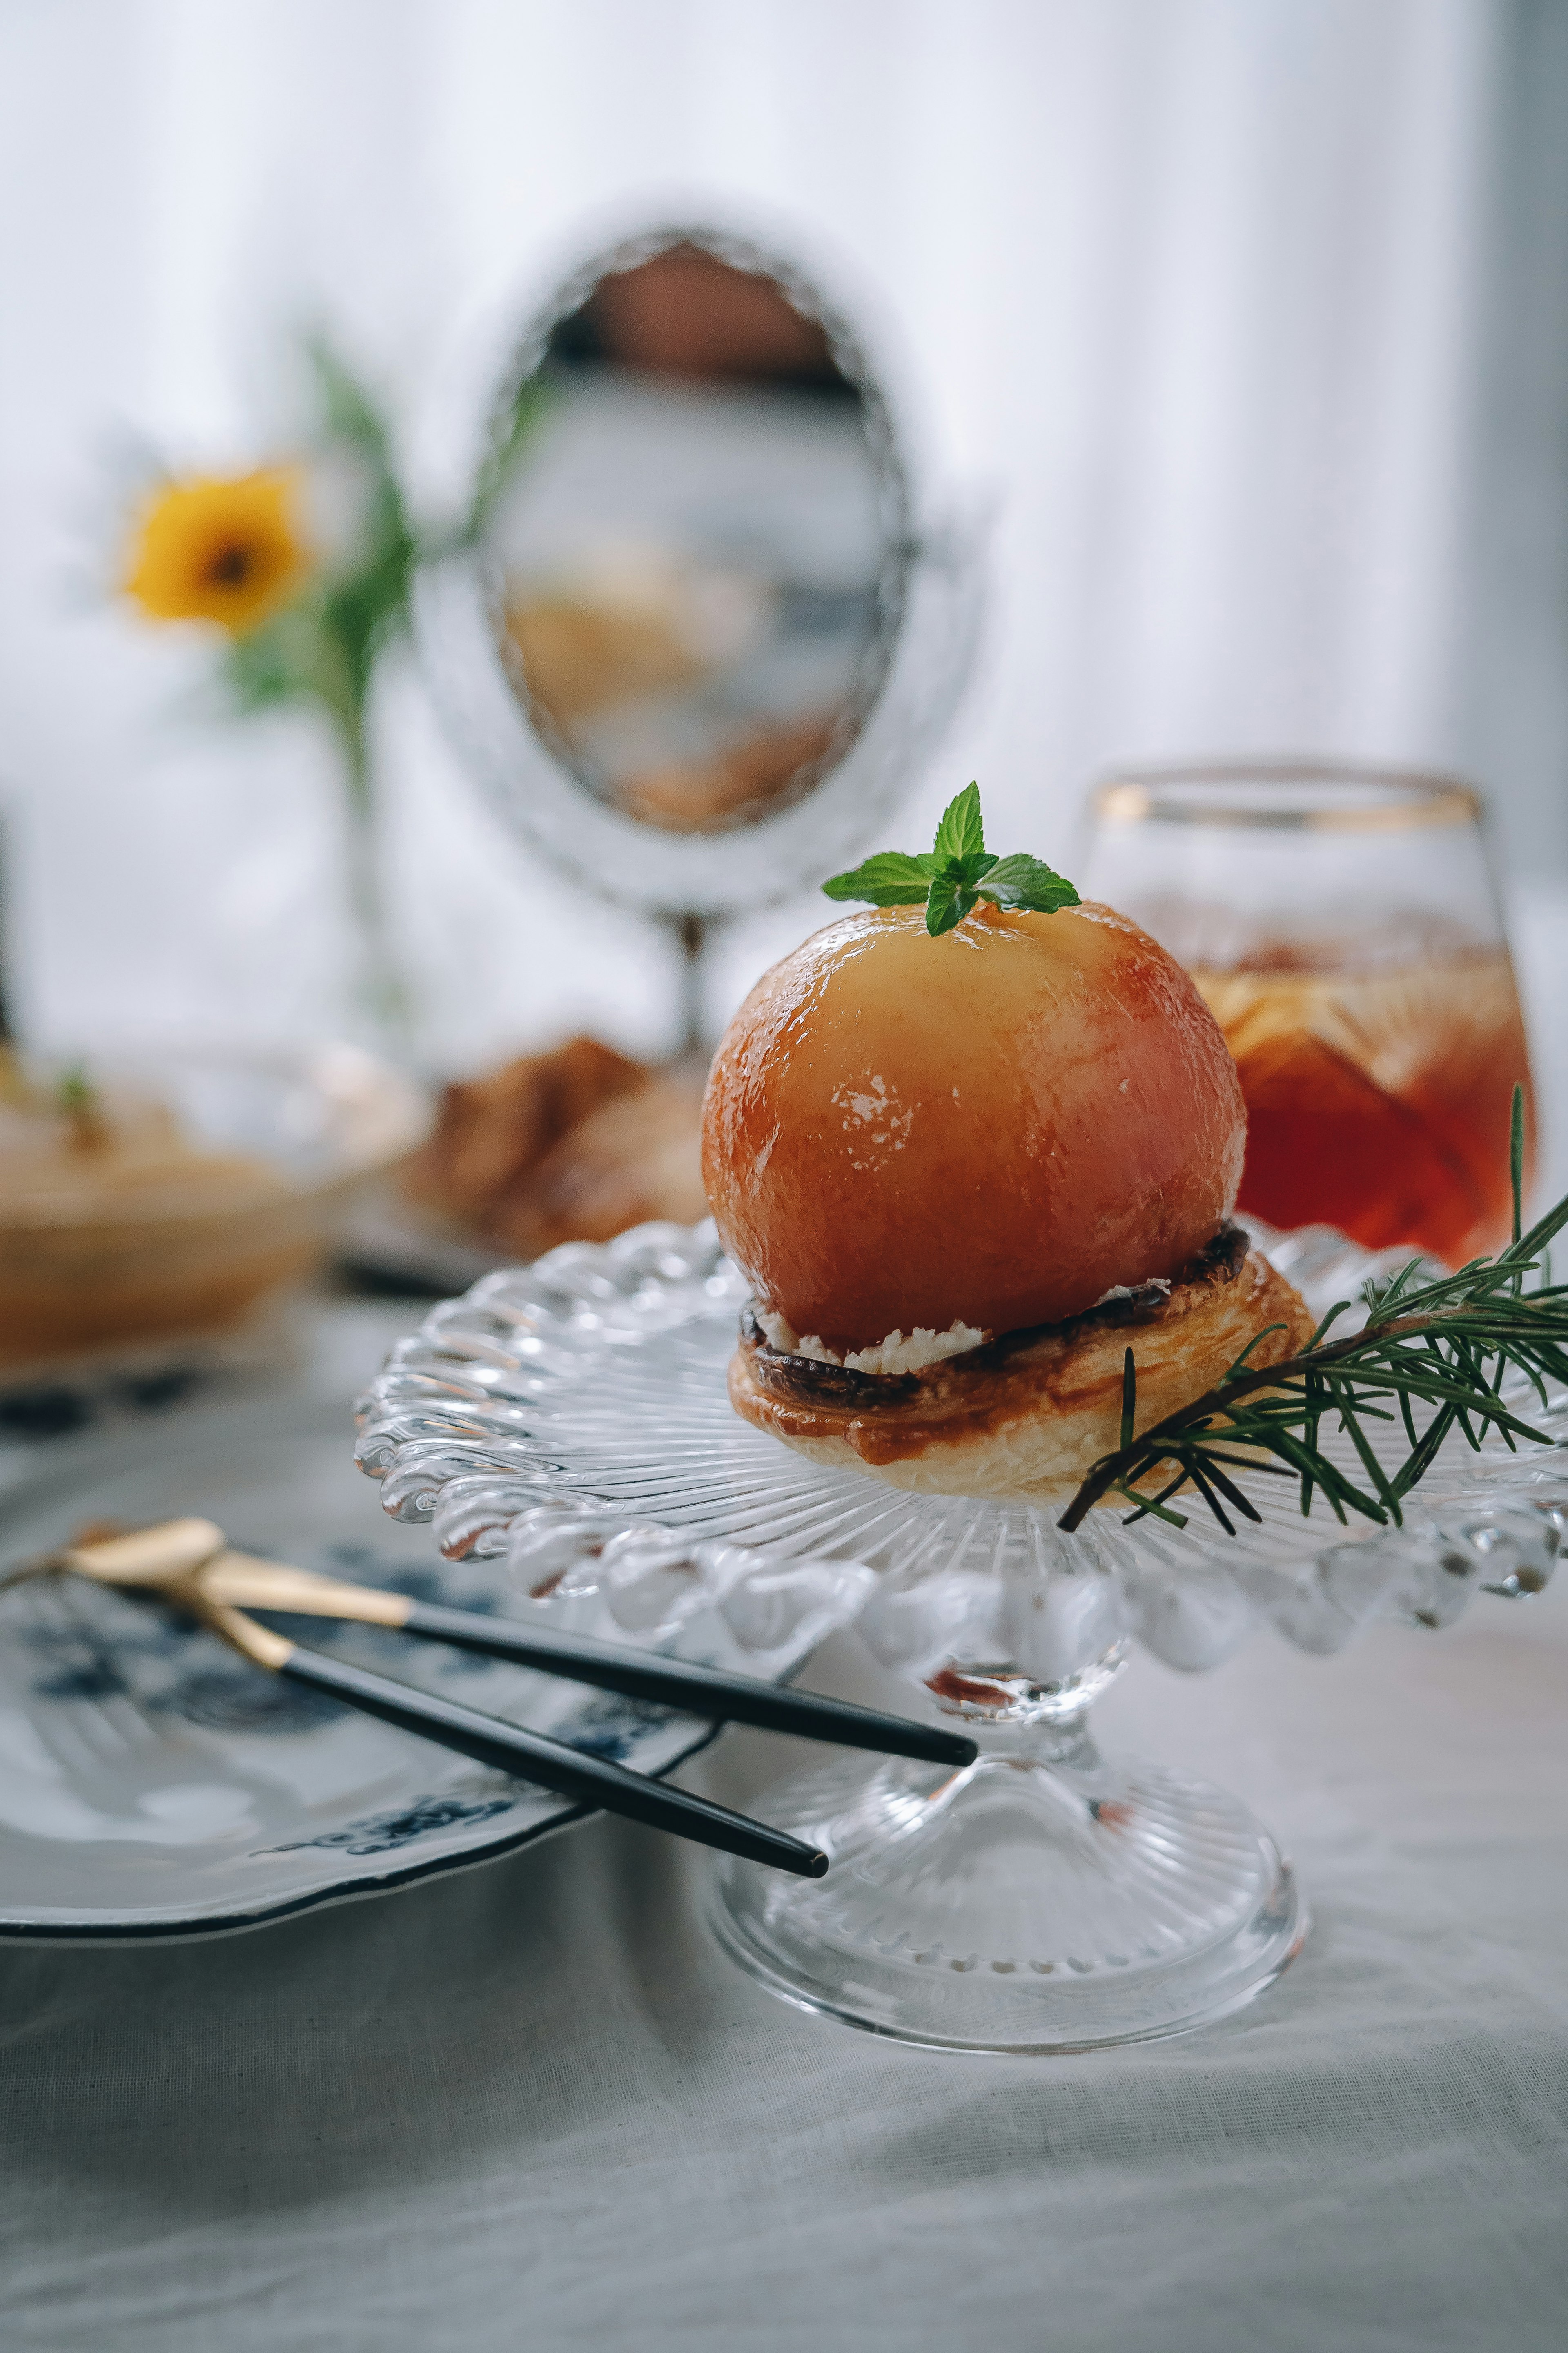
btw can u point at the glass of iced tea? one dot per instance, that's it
(1344, 926)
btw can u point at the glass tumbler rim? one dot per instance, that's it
(1297, 795)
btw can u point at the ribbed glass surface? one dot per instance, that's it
(587, 1393)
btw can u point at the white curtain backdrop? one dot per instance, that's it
(1242, 312)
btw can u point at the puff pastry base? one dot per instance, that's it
(1027, 1415)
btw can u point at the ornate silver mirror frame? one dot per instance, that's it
(925, 602)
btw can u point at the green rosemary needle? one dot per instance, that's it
(1434, 1347)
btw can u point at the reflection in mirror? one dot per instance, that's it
(696, 538)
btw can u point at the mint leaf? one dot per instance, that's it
(888, 880)
(1024, 881)
(967, 871)
(958, 871)
(948, 905)
(961, 833)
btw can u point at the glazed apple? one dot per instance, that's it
(991, 1127)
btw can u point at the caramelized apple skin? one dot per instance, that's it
(995, 1126)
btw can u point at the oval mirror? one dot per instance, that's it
(699, 634)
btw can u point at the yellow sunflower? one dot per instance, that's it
(224, 548)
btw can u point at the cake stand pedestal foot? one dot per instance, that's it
(1040, 1900)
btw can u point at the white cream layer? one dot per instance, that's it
(1127, 1290)
(894, 1355)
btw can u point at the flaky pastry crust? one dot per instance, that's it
(1030, 1414)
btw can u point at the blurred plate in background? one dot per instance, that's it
(167, 1201)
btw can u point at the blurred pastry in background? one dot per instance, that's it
(493, 1135)
(572, 1145)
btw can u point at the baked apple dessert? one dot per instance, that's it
(968, 1144)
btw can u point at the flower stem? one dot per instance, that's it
(380, 990)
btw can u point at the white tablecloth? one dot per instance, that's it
(531, 2106)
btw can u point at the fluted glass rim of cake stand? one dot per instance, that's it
(497, 1407)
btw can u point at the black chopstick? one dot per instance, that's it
(533, 1757)
(699, 1691)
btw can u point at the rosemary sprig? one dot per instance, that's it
(1443, 1346)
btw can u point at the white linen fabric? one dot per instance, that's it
(532, 2106)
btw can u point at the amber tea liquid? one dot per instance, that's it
(1378, 1100)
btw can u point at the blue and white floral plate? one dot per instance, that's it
(153, 1785)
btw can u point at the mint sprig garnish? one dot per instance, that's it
(952, 877)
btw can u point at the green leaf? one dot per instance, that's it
(1025, 881)
(948, 905)
(961, 833)
(75, 1094)
(954, 874)
(888, 880)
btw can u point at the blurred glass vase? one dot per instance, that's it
(300, 568)
(1344, 927)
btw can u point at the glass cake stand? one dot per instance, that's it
(572, 1416)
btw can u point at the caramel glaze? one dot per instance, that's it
(1074, 1366)
(993, 1126)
